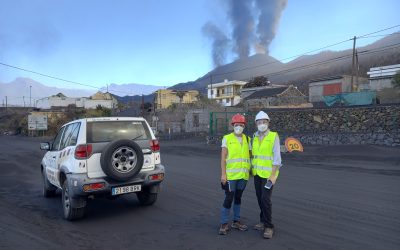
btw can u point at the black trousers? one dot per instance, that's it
(264, 201)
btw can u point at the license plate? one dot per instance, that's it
(126, 189)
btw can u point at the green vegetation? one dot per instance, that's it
(396, 80)
(258, 81)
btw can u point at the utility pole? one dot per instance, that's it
(357, 71)
(142, 107)
(211, 92)
(353, 64)
(6, 104)
(23, 99)
(30, 96)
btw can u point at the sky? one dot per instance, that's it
(159, 42)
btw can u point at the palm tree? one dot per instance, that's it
(180, 94)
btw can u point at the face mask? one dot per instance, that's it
(262, 127)
(238, 130)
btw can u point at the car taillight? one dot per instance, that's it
(93, 186)
(83, 151)
(156, 177)
(154, 145)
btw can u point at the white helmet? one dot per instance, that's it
(262, 116)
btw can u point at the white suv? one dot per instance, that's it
(96, 157)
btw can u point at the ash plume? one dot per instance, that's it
(254, 26)
(242, 21)
(219, 45)
(268, 21)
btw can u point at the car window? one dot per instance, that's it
(56, 142)
(116, 130)
(70, 131)
(74, 135)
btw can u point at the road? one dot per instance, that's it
(329, 197)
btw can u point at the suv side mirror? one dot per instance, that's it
(45, 146)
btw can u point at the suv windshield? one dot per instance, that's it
(104, 131)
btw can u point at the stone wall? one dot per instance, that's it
(351, 125)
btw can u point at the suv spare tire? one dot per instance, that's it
(121, 160)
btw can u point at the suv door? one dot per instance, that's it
(53, 157)
(66, 148)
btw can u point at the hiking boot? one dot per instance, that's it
(268, 232)
(239, 225)
(223, 230)
(259, 226)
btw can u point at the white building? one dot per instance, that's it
(226, 93)
(381, 77)
(105, 100)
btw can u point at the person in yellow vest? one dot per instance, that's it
(235, 170)
(266, 162)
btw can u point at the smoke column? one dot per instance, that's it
(268, 21)
(219, 45)
(243, 25)
(243, 15)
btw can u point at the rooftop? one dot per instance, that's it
(266, 93)
(226, 83)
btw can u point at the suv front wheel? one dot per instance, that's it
(49, 190)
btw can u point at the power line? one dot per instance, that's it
(348, 56)
(45, 75)
(56, 78)
(282, 72)
(395, 33)
(339, 58)
(380, 31)
(284, 59)
(247, 68)
(305, 53)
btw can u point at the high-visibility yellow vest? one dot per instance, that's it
(238, 160)
(263, 155)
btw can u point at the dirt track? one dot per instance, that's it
(332, 197)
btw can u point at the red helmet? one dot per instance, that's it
(238, 118)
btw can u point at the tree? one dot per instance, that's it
(396, 80)
(181, 94)
(258, 81)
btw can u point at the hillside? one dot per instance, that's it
(304, 68)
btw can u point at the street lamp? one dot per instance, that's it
(30, 96)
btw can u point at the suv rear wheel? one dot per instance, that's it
(48, 189)
(146, 198)
(70, 213)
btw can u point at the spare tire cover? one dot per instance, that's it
(121, 160)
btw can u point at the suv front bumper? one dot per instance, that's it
(77, 181)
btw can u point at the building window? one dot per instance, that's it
(196, 120)
(227, 100)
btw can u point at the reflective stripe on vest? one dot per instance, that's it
(262, 168)
(263, 155)
(238, 160)
(238, 170)
(267, 158)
